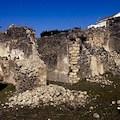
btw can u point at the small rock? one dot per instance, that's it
(10, 105)
(71, 97)
(91, 108)
(118, 102)
(22, 106)
(96, 115)
(85, 92)
(6, 103)
(113, 102)
(118, 108)
(2, 104)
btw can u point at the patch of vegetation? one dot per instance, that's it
(52, 32)
(5, 91)
(77, 28)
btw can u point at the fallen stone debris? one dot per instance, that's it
(49, 95)
(96, 115)
(100, 80)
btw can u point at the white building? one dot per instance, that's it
(102, 22)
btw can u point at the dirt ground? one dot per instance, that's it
(100, 101)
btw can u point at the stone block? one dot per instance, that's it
(77, 39)
(70, 48)
(76, 48)
(74, 55)
(74, 58)
(73, 62)
(75, 70)
(72, 74)
(74, 52)
(75, 67)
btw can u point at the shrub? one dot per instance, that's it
(48, 33)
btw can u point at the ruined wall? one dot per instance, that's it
(69, 56)
(19, 59)
(61, 53)
(101, 49)
(88, 52)
(97, 36)
(54, 51)
(113, 26)
(107, 37)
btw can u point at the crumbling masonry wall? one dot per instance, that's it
(88, 52)
(54, 51)
(69, 56)
(20, 63)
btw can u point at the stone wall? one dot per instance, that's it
(54, 51)
(113, 26)
(74, 56)
(87, 52)
(20, 63)
(69, 56)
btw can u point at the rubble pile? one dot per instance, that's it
(49, 95)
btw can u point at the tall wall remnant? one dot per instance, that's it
(78, 54)
(19, 59)
(54, 54)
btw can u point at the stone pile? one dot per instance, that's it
(49, 95)
(101, 80)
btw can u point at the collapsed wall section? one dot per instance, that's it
(20, 63)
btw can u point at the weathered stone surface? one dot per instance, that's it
(113, 102)
(54, 52)
(96, 115)
(75, 54)
(94, 51)
(118, 102)
(20, 63)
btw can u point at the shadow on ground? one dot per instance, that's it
(2, 86)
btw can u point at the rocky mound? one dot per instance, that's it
(49, 95)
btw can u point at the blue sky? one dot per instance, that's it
(42, 15)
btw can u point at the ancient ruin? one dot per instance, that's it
(19, 59)
(70, 56)
(82, 53)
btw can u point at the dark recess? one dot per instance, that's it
(2, 86)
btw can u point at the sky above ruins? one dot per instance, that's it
(42, 15)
